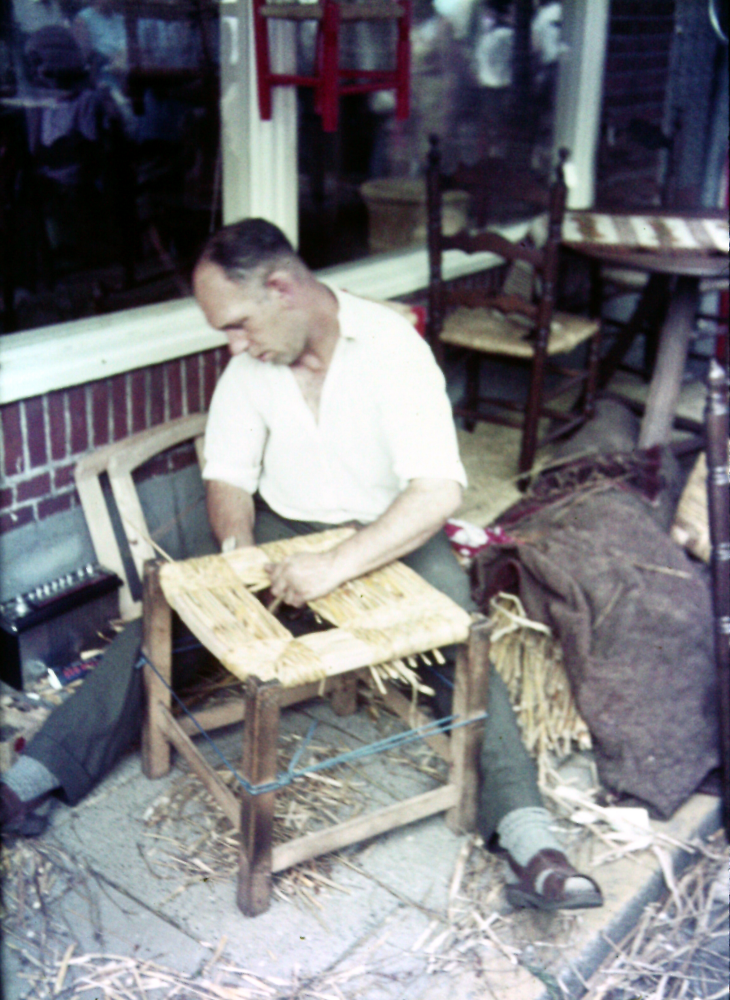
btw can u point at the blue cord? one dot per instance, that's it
(443, 725)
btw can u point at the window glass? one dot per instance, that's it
(109, 162)
(483, 78)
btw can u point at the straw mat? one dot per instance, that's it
(378, 618)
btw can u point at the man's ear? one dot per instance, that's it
(282, 284)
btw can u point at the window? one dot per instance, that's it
(483, 78)
(259, 176)
(109, 165)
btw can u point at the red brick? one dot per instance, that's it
(16, 519)
(35, 428)
(138, 380)
(63, 477)
(192, 372)
(7, 498)
(55, 505)
(100, 413)
(31, 489)
(57, 425)
(120, 423)
(79, 423)
(12, 439)
(173, 376)
(157, 395)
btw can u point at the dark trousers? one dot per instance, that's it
(86, 735)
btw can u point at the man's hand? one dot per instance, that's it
(413, 517)
(304, 577)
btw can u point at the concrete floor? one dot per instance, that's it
(105, 883)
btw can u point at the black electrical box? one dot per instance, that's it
(50, 625)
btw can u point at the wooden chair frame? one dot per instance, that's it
(118, 461)
(538, 350)
(261, 705)
(718, 501)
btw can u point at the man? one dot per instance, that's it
(332, 410)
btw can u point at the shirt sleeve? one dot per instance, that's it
(235, 433)
(417, 415)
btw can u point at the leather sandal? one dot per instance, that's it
(542, 884)
(18, 818)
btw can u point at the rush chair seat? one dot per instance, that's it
(518, 324)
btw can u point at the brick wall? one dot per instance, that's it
(42, 438)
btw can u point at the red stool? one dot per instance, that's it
(330, 81)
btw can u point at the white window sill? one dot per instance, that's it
(67, 354)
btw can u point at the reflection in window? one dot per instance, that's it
(109, 176)
(483, 78)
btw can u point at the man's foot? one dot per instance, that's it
(550, 882)
(18, 817)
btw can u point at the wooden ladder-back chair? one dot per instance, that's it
(519, 324)
(118, 461)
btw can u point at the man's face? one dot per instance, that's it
(256, 316)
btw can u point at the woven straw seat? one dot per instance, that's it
(387, 615)
(493, 332)
(377, 621)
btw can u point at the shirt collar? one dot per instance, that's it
(348, 331)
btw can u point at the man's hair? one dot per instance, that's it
(246, 247)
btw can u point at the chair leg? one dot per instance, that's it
(263, 67)
(471, 390)
(403, 67)
(470, 699)
(528, 447)
(718, 496)
(344, 694)
(588, 401)
(328, 90)
(260, 740)
(157, 648)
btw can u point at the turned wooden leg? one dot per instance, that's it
(260, 739)
(470, 699)
(344, 693)
(157, 648)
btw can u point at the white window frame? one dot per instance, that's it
(260, 178)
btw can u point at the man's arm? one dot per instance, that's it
(231, 514)
(414, 516)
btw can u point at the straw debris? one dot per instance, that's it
(530, 661)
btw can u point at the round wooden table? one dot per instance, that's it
(676, 273)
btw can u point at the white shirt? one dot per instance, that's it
(384, 419)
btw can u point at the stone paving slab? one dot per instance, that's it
(399, 883)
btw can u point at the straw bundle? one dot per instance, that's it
(530, 661)
(380, 618)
